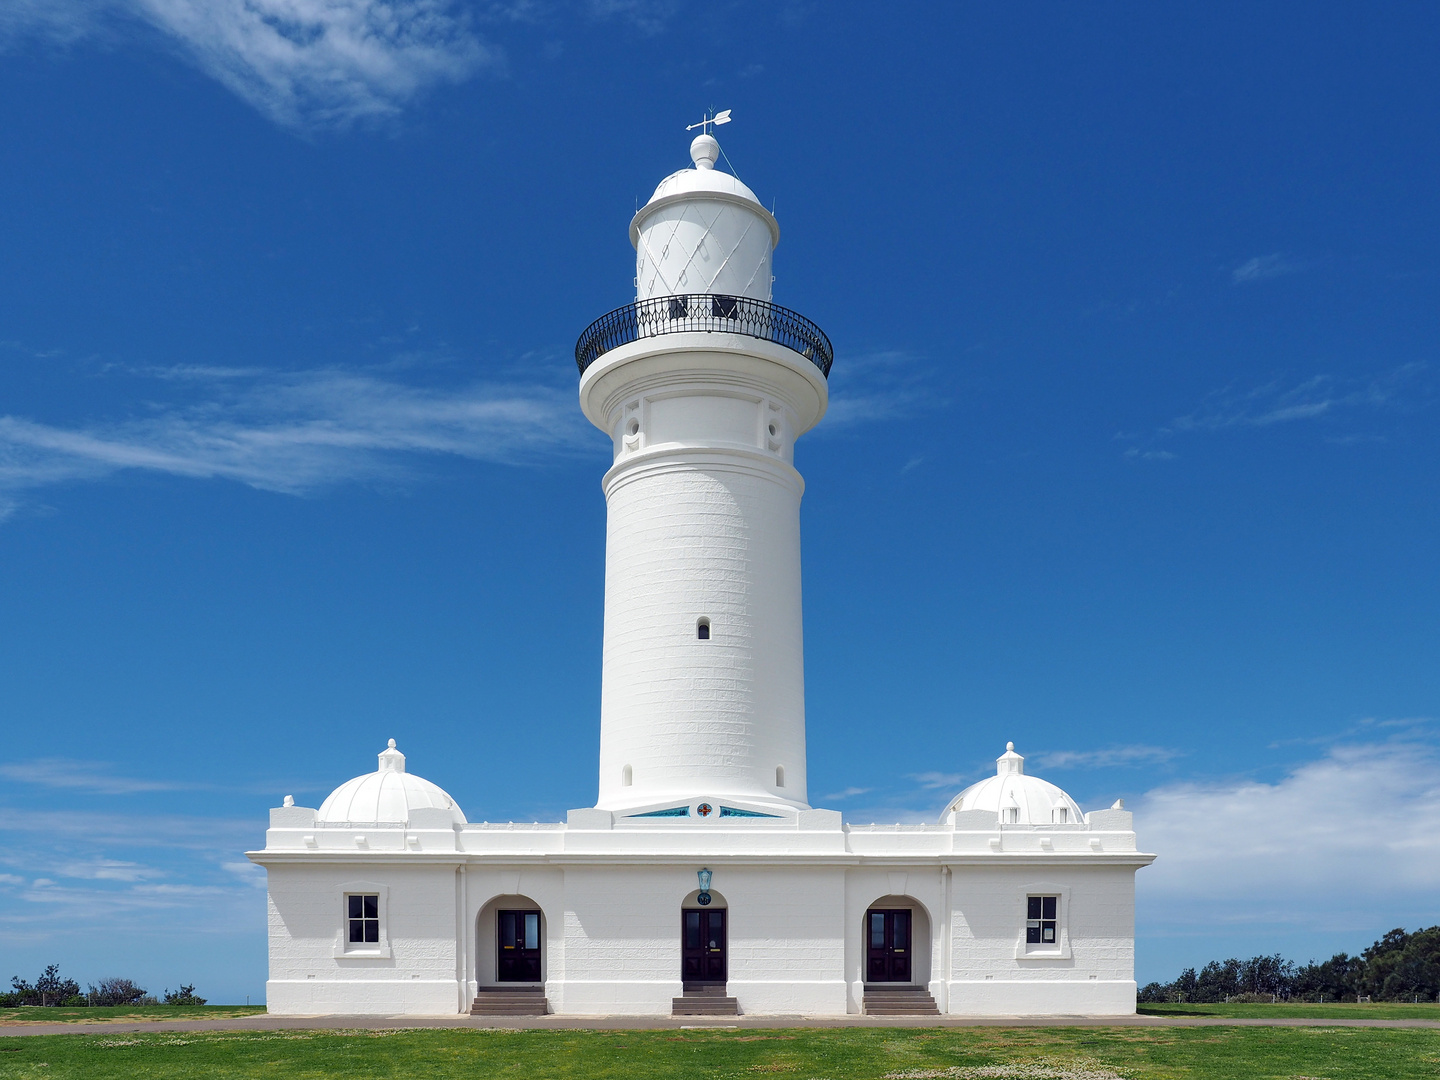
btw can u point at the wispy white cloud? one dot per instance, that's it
(847, 793)
(1275, 402)
(304, 63)
(1264, 267)
(930, 781)
(1407, 387)
(1335, 839)
(648, 16)
(876, 387)
(293, 432)
(1111, 757)
(92, 777)
(74, 873)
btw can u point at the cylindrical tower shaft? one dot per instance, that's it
(703, 394)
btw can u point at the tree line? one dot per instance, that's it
(53, 989)
(1399, 967)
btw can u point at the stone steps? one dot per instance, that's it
(898, 1001)
(704, 999)
(497, 1002)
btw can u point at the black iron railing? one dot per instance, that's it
(708, 313)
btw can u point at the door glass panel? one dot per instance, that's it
(877, 930)
(902, 931)
(507, 929)
(532, 931)
(692, 929)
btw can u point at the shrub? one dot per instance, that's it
(48, 989)
(116, 992)
(184, 996)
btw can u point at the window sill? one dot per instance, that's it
(378, 952)
(1060, 952)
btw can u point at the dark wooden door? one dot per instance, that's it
(702, 945)
(519, 935)
(887, 944)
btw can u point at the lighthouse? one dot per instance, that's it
(702, 883)
(703, 385)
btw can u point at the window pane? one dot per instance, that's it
(1049, 906)
(877, 930)
(355, 909)
(372, 907)
(357, 930)
(372, 930)
(1032, 934)
(1034, 908)
(532, 931)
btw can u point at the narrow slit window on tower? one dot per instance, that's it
(627, 776)
(779, 775)
(702, 629)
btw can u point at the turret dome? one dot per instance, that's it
(1015, 798)
(386, 796)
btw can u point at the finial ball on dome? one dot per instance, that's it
(1009, 746)
(392, 744)
(704, 151)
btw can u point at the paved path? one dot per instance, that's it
(265, 1022)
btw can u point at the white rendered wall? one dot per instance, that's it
(311, 971)
(994, 974)
(690, 540)
(703, 523)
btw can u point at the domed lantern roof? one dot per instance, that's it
(1015, 798)
(703, 231)
(386, 796)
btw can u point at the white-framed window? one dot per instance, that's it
(362, 919)
(362, 907)
(1042, 920)
(1043, 931)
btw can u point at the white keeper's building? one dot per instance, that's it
(701, 881)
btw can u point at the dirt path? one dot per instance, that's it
(633, 1023)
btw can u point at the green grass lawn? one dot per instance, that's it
(101, 1014)
(1218, 1053)
(1388, 1010)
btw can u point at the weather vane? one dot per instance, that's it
(721, 117)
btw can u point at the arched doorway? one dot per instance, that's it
(704, 941)
(895, 940)
(510, 942)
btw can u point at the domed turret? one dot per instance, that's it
(703, 231)
(385, 797)
(1017, 799)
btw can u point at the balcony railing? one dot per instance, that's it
(704, 313)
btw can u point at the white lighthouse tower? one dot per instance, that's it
(704, 386)
(702, 883)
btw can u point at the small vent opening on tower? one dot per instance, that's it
(779, 775)
(702, 629)
(627, 776)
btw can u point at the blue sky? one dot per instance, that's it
(1131, 455)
